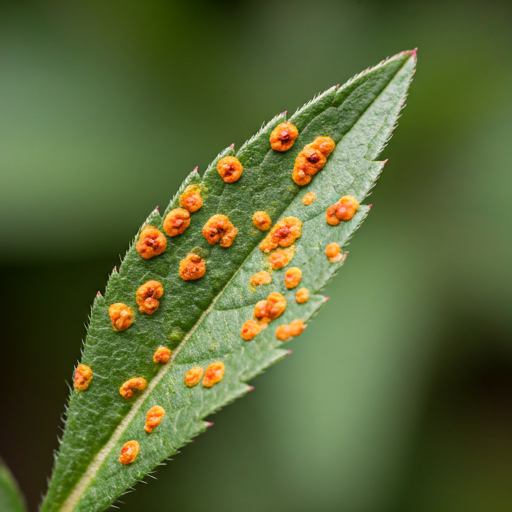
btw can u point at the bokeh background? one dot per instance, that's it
(398, 397)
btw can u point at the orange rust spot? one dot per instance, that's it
(161, 355)
(324, 144)
(230, 169)
(283, 332)
(192, 267)
(261, 220)
(302, 296)
(344, 209)
(283, 136)
(220, 228)
(264, 311)
(280, 258)
(213, 374)
(176, 221)
(153, 418)
(292, 277)
(191, 199)
(83, 377)
(121, 316)
(308, 162)
(148, 295)
(193, 376)
(250, 329)
(308, 198)
(283, 234)
(262, 277)
(312, 159)
(271, 308)
(296, 327)
(152, 242)
(129, 451)
(333, 252)
(132, 385)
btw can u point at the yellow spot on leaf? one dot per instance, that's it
(308, 198)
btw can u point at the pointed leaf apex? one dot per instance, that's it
(232, 146)
(289, 352)
(209, 424)
(196, 169)
(413, 53)
(250, 388)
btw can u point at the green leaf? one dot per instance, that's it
(11, 499)
(200, 320)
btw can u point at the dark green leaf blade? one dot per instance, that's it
(201, 320)
(11, 499)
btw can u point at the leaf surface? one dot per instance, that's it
(200, 321)
(11, 499)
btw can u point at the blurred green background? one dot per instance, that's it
(405, 397)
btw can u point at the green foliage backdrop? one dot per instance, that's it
(107, 106)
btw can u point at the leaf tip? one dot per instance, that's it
(412, 53)
(370, 206)
(250, 388)
(232, 146)
(288, 352)
(209, 424)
